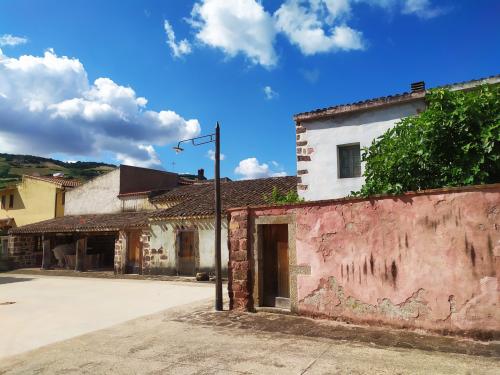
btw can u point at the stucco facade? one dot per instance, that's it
(320, 132)
(163, 240)
(429, 260)
(318, 142)
(34, 200)
(97, 196)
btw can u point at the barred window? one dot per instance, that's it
(349, 161)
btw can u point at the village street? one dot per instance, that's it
(50, 309)
(188, 337)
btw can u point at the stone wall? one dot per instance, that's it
(429, 260)
(120, 252)
(21, 251)
(239, 276)
(155, 259)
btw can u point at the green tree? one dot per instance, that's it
(454, 142)
(278, 197)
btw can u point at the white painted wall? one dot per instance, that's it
(98, 196)
(163, 235)
(324, 136)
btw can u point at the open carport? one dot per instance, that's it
(39, 310)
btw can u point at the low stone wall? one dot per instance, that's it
(429, 260)
(21, 251)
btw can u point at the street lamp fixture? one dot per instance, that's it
(198, 141)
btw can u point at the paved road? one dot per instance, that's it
(51, 309)
(193, 339)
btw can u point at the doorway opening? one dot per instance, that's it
(275, 264)
(186, 253)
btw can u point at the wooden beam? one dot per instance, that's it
(81, 251)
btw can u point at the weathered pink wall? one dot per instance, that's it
(422, 260)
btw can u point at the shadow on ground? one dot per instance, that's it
(375, 336)
(9, 280)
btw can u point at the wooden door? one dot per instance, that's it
(283, 274)
(134, 253)
(186, 254)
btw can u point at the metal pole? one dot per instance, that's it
(218, 224)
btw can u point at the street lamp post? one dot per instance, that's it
(214, 137)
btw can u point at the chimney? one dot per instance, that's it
(201, 174)
(418, 86)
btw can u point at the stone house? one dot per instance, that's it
(180, 237)
(330, 140)
(169, 231)
(100, 215)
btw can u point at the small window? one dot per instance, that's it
(349, 161)
(63, 198)
(3, 202)
(11, 201)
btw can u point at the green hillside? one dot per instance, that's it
(12, 167)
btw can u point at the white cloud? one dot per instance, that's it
(270, 93)
(49, 106)
(314, 26)
(421, 8)
(178, 49)
(211, 155)
(11, 40)
(309, 26)
(236, 26)
(250, 169)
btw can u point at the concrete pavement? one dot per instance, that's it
(192, 339)
(40, 310)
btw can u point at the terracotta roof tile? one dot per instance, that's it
(61, 181)
(198, 200)
(87, 223)
(386, 100)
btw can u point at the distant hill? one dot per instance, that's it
(12, 167)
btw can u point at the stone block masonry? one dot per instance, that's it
(21, 251)
(239, 262)
(427, 260)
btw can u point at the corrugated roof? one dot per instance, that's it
(386, 100)
(87, 223)
(60, 181)
(198, 200)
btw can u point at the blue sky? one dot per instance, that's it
(250, 65)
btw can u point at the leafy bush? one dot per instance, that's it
(278, 197)
(454, 142)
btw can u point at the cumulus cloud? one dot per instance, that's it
(49, 106)
(236, 26)
(250, 169)
(211, 155)
(314, 26)
(270, 93)
(309, 26)
(11, 40)
(178, 49)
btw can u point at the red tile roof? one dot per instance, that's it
(87, 223)
(198, 200)
(322, 113)
(60, 181)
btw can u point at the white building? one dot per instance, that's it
(330, 140)
(125, 189)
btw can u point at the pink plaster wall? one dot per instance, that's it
(430, 261)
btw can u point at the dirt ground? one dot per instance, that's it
(40, 310)
(193, 339)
